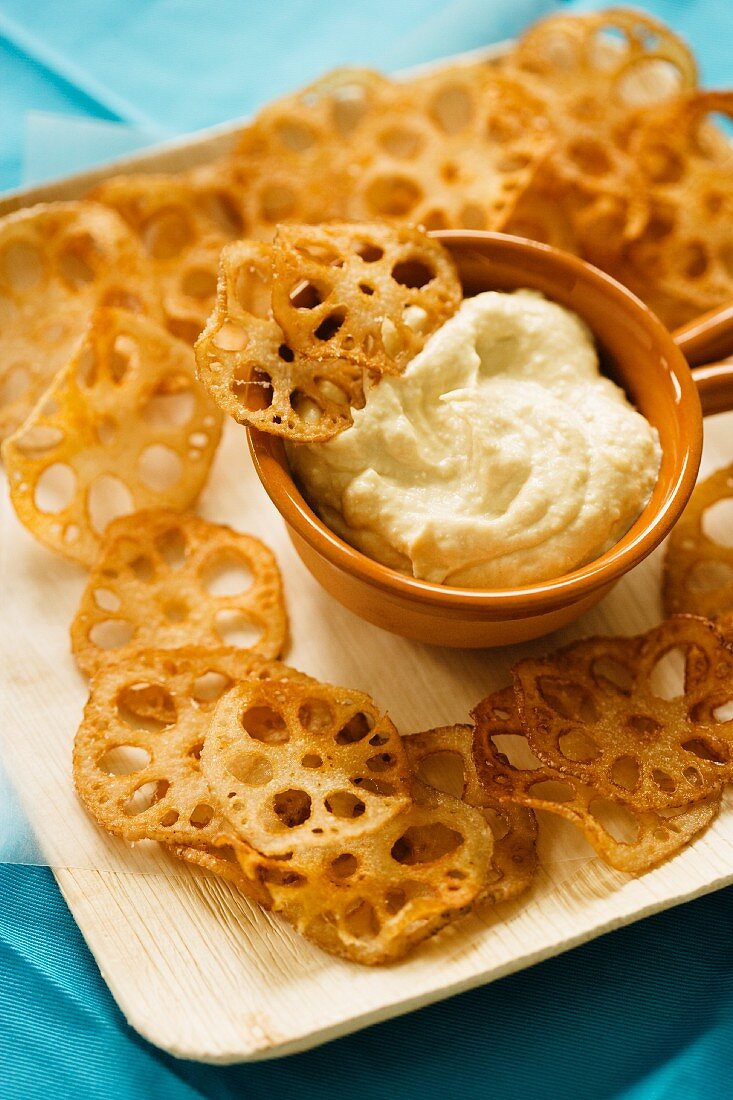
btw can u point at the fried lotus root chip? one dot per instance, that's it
(371, 294)
(452, 150)
(594, 70)
(58, 262)
(373, 898)
(698, 571)
(166, 580)
(253, 374)
(609, 712)
(442, 758)
(183, 222)
(681, 261)
(124, 426)
(327, 113)
(633, 841)
(293, 765)
(137, 751)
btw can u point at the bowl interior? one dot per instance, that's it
(635, 350)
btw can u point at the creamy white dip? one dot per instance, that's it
(500, 457)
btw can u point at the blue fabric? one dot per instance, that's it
(643, 1014)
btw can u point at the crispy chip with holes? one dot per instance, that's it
(611, 713)
(252, 373)
(124, 426)
(593, 70)
(137, 751)
(295, 162)
(633, 841)
(167, 580)
(373, 898)
(183, 223)
(57, 263)
(442, 758)
(698, 571)
(222, 861)
(332, 110)
(452, 150)
(681, 261)
(368, 293)
(298, 765)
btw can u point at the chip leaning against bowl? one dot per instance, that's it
(500, 457)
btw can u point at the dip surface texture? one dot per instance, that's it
(500, 457)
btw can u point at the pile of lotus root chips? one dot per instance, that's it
(300, 267)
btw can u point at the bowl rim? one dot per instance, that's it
(654, 523)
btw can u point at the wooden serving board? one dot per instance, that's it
(194, 967)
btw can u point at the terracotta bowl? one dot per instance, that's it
(638, 352)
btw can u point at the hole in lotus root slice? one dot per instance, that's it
(630, 840)
(411, 271)
(645, 727)
(253, 374)
(114, 453)
(158, 565)
(183, 222)
(316, 792)
(43, 313)
(152, 706)
(442, 759)
(698, 570)
(354, 899)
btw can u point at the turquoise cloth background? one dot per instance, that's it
(643, 1014)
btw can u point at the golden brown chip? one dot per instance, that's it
(373, 898)
(698, 571)
(252, 373)
(442, 758)
(299, 765)
(368, 293)
(452, 150)
(57, 263)
(680, 262)
(611, 713)
(137, 751)
(124, 426)
(540, 216)
(183, 221)
(168, 580)
(593, 70)
(329, 111)
(633, 841)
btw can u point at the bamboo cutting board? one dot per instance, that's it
(194, 967)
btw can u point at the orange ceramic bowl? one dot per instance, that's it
(636, 351)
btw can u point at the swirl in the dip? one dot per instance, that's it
(499, 458)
